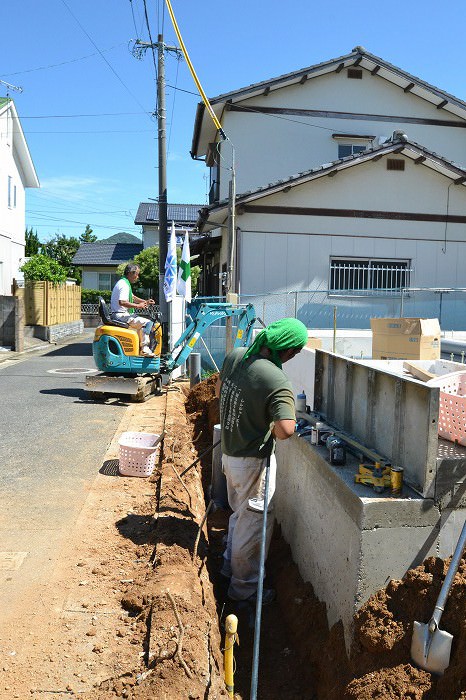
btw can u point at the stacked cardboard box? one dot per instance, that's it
(405, 338)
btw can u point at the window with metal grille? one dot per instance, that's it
(364, 277)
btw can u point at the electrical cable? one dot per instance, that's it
(150, 39)
(444, 247)
(101, 54)
(134, 18)
(63, 63)
(72, 116)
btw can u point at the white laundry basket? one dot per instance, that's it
(452, 412)
(138, 452)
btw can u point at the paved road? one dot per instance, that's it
(52, 444)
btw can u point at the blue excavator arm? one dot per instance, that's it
(206, 316)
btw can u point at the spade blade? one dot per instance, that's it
(431, 651)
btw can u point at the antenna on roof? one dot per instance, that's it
(9, 86)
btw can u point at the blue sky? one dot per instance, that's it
(87, 102)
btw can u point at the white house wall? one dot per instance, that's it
(270, 147)
(282, 253)
(12, 217)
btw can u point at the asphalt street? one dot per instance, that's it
(52, 443)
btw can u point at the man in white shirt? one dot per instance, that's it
(123, 303)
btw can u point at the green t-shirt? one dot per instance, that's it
(254, 394)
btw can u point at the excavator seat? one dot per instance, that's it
(107, 320)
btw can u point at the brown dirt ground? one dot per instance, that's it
(129, 590)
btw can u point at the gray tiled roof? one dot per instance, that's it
(106, 253)
(148, 213)
(398, 144)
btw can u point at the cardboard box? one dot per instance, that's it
(405, 338)
(314, 343)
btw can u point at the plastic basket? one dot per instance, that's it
(137, 453)
(452, 411)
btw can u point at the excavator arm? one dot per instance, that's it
(206, 316)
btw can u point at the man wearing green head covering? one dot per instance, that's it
(256, 408)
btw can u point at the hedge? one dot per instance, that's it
(91, 296)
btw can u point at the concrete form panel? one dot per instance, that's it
(394, 416)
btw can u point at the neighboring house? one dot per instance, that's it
(99, 262)
(352, 184)
(184, 215)
(202, 247)
(16, 173)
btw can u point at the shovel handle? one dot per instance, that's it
(451, 573)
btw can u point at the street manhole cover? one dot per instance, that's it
(11, 561)
(72, 370)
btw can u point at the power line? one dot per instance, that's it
(106, 131)
(63, 63)
(150, 38)
(97, 114)
(101, 55)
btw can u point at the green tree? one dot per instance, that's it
(41, 267)
(148, 261)
(88, 236)
(62, 249)
(32, 243)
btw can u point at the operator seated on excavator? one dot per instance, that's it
(124, 302)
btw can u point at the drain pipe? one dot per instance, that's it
(260, 586)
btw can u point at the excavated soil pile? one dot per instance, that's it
(300, 657)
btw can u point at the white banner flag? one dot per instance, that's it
(169, 281)
(184, 271)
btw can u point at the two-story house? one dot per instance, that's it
(16, 173)
(351, 187)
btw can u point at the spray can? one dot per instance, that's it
(396, 480)
(315, 433)
(301, 402)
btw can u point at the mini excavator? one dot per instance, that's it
(123, 370)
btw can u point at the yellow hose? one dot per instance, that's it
(231, 627)
(193, 72)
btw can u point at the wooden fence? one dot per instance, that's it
(47, 304)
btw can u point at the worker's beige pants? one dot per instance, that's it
(246, 486)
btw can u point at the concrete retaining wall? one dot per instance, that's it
(7, 321)
(347, 541)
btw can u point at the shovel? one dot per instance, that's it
(431, 646)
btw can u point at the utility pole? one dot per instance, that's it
(165, 307)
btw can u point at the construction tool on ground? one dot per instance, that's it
(431, 646)
(376, 475)
(231, 636)
(123, 370)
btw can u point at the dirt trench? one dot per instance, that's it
(143, 606)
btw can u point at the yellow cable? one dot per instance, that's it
(193, 72)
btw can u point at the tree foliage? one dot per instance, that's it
(148, 261)
(42, 267)
(88, 236)
(62, 249)
(32, 243)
